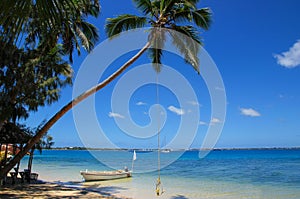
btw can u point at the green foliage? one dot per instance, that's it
(145, 6)
(116, 25)
(200, 17)
(174, 15)
(35, 36)
(29, 79)
(49, 142)
(157, 39)
(14, 133)
(31, 23)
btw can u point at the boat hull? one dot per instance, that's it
(104, 175)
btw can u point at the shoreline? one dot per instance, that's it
(217, 177)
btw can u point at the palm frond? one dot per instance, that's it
(155, 55)
(11, 23)
(91, 34)
(157, 40)
(125, 22)
(167, 6)
(189, 31)
(27, 22)
(90, 7)
(190, 3)
(79, 34)
(84, 40)
(186, 45)
(145, 6)
(156, 8)
(67, 42)
(201, 17)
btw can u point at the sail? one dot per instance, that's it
(134, 156)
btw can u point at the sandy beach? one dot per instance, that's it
(42, 189)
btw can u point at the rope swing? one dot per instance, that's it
(158, 188)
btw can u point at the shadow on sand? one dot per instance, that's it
(55, 191)
(179, 197)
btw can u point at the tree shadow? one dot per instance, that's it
(179, 197)
(55, 191)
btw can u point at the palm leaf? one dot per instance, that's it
(32, 21)
(90, 31)
(190, 3)
(11, 26)
(189, 31)
(187, 45)
(202, 17)
(84, 40)
(145, 6)
(156, 8)
(157, 40)
(90, 7)
(155, 56)
(167, 6)
(116, 25)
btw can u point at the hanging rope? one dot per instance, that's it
(158, 189)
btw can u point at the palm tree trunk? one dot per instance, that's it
(29, 167)
(65, 109)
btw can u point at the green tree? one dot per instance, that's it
(164, 16)
(46, 23)
(47, 142)
(34, 38)
(34, 35)
(30, 80)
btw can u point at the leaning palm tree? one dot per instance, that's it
(163, 17)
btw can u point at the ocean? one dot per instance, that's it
(221, 174)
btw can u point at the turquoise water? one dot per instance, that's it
(221, 174)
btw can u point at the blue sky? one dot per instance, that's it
(256, 47)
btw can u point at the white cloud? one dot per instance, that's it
(249, 112)
(115, 115)
(214, 121)
(178, 111)
(194, 103)
(219, 88)
(141, 103)
(291, 58)
(202, 123)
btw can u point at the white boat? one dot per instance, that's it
(108, 175)
(165, 150)
(105, 175)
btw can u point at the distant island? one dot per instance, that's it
(193, 149)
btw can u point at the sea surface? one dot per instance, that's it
(221, 174)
